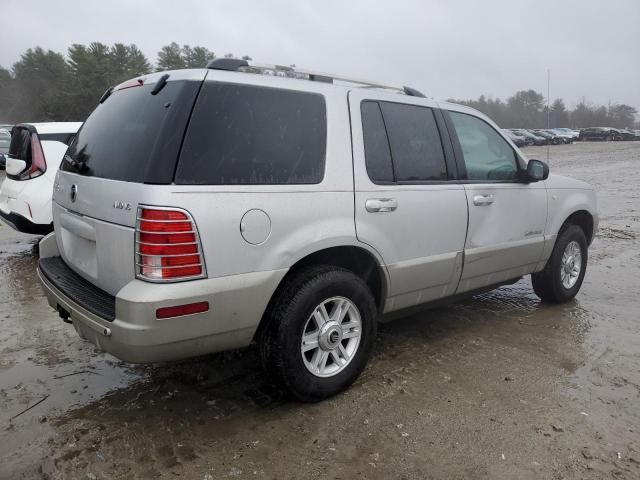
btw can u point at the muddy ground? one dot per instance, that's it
(499, 386)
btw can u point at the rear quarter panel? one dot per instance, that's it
(302, 218)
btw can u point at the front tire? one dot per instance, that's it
(562, 277)
(320, 333)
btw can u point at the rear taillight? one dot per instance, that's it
(38, 162)
(167, 246)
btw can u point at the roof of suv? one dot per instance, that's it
(284, 77)
(55, 127)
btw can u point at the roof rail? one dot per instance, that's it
(234, 64)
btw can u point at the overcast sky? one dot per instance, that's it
(455, 48)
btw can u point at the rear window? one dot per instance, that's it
(134, 136)
(243, 134)
(20, 146)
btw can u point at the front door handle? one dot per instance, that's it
(483, 200)
(380, 205)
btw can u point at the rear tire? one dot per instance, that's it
(562, 277)
(315, 355)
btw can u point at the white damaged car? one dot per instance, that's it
(35, 153)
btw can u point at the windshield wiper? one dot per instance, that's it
(162, 81)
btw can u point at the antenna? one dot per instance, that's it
(548, 107)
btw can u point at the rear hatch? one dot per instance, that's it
(124, 155)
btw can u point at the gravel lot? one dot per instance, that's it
(499, 386)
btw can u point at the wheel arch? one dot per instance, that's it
(365, 263)
(583, 219)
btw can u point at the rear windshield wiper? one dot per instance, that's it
(106, 95)
(162, 81)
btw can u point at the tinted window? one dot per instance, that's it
(134, 136)
(376, 145)
(20, 147)
(487, 155)
(416, 149)
(242, 134)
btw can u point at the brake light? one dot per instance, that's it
(167, 246)
(137, 82)
(38, 162)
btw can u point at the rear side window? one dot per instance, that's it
(376, 145)
(134, 136)
(416, 148)
(402, 143)
(248, 135)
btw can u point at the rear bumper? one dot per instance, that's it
(135, 335)
(22, 224)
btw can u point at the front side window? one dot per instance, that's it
(249, 135)
(487, 155)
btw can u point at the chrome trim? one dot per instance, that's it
(169, 255)
(160, 221)
(165, 244)
(164, 233)
(169, 266)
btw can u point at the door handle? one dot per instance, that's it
(483, 200)
(380, 205)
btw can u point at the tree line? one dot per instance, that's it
(48, 86)
(528, 109)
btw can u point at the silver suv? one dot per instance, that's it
(202, 210)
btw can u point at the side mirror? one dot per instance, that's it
(537, 170)
(15, 166)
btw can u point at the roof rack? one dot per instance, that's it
(236, 64)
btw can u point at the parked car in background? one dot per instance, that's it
(519, 140)
(168, 218)
(5, 140)
(573, 134)
(550, 137)
(605, 134)
(532, 138)
(565, 138)
(626, 134)
(34, 156)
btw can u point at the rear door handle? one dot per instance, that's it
(483, 200)
(381, 205)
